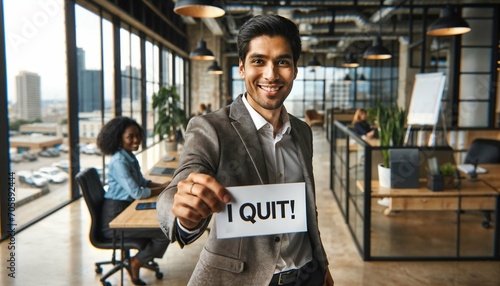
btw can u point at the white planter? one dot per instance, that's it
(170, 146)
(384, 176)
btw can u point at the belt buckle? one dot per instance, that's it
(287, 277)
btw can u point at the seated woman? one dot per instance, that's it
(120, 137)
(361, 126)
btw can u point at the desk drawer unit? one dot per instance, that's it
(424, 203)
(478, 203)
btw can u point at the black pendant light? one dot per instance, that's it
(215, 68)
(350, 60)
(377, 51)
(347, 78)
(314, 63)
(198, 8)
(201, 53)
(449, 24)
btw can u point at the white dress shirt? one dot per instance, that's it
(280, 151)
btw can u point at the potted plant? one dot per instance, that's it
(391, 132)
(445, 179)
(448, 171)
(171, 117)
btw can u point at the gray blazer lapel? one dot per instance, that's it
(244, 126)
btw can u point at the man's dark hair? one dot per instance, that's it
(110, 136)
(269, 25)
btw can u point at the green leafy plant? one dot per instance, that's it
(391, 123)
(447, 169)
(171, 116)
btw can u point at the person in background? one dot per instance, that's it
(202, 109)
(209, 108)
(361, 126)
(253, 141)
(120, 137)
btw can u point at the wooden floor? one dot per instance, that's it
(56, 251)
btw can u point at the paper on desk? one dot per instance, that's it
(263, 210)
(469, 168)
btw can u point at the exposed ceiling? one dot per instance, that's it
(333, 27)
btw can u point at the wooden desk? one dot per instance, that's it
(144, 219)
(132, 218)
(479, 196)
(492, 177)
(163, 164)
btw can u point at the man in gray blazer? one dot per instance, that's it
(253, 141)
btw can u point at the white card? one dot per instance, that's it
(263, 210)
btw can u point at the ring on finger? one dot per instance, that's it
(191, 189)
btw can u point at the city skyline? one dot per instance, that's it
(35, 42)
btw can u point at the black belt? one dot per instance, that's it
(285, 277)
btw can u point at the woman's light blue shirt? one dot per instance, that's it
(126, 182)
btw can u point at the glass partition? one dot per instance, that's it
(389, 223)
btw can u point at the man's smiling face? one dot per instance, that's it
(268, 71)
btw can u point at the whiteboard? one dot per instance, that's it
(426, 98)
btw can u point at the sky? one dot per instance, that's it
(35, 42)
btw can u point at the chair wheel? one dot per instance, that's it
(98, 269)
(159, 275)
(106, 283)
(486, 224)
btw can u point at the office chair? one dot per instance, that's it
(484, 151)
(93, 193)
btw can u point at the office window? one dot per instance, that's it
(152, 86)
(167, 71)
(37, 100)
(131, 74)
(180, 77)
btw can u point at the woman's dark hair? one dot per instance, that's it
(110, 136)
(269, 25)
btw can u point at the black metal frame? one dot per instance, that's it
(340, 131)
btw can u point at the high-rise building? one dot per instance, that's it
(89, 83)
(28, 105)
(131, 83)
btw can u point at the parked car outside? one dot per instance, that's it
(90, 149)
(54, 152)
(16, 157)
(49, 152)
(63, 148)
(63, 165)
(33, 179)
(27, 155)
(45, 153)
(53, 174)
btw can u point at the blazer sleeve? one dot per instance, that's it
(200, 153)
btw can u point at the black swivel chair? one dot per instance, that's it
(93, 193)
(484, 151)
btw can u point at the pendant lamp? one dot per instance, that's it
(449, 24)
(314, 63)
(377, 51)
(350, 61)
(347, 78)
(201, 53)
(215, 68)
(198, 9)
